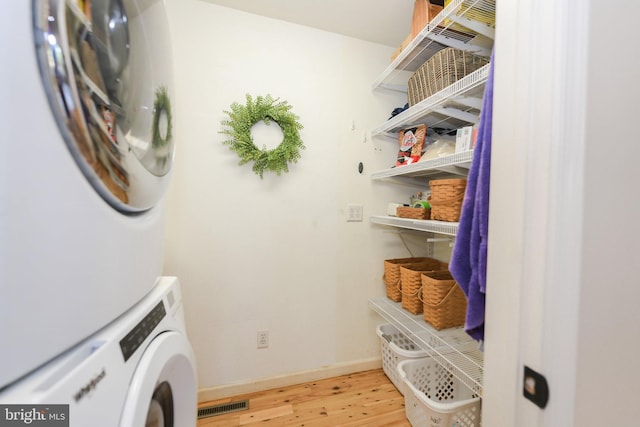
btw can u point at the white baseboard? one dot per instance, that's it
(230, 390)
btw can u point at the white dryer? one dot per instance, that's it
(86, 150)
(137, 371)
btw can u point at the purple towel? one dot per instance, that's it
(469, 259)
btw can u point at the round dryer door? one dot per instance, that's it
(163, 388)
(106, 68)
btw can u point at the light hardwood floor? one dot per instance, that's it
(361, 399)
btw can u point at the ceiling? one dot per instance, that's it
(386, 22)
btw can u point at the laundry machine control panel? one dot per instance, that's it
(134, 339)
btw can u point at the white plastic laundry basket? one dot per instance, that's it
(435, 398)
(396, 347)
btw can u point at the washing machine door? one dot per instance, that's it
(106, 69)
(163, 387)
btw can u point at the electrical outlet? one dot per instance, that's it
(263, 339)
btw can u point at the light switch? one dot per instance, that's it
(354, 212)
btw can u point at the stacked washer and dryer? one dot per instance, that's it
(85, 317)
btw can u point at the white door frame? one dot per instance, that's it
(536, 209)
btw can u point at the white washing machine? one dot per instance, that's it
(137, 371)
(86, 150)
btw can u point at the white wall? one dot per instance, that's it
(609, 294)
(277, 253)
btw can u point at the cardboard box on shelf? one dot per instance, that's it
(423, 13)
(466, 138)
(463, 139)
(402, 47)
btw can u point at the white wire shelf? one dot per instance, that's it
(453, 164)
(440, 227)
(464, 24)
(453, 107)
(452, 348)
(468, 25)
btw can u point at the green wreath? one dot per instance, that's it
(242, 119)
(161, 105)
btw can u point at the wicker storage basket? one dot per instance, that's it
(440, 71)
(411, 283)
(446, 198)
(415, 213)
(391, 276)
(445, 305)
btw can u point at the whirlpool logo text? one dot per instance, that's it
(90, 386)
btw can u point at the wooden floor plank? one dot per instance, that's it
(361, 399)
(265, 415)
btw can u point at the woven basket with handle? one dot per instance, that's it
(444, 303)
(446, 198)
(411, 283)
(391, 276)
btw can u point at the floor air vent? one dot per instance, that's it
(224, 408)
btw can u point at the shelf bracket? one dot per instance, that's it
(467, 47)
(439, 239)
(432, 240)
(455, 170)
(394, 87)
(384, 134)
(474, 25)
(430, 246)
(457, 114)
(469, 101)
